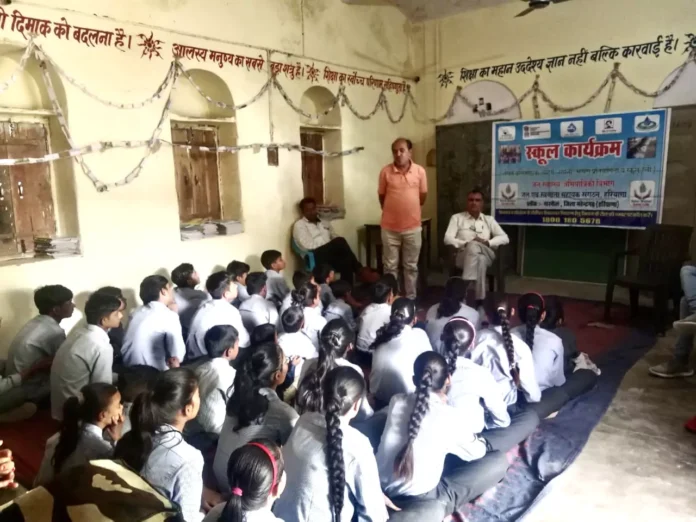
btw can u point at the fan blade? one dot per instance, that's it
(559, 1)
(526, 12)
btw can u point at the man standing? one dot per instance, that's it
(475, 236)
(403, 187)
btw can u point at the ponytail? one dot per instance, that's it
(457, 337)
(304, 296)
(455, 295)
(530, 308)
(403, 313)
(509, 346)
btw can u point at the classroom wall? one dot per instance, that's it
(132, 231)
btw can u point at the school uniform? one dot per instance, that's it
(256, 311)
(339, 309)
(286, 305)
(175, 469)
(216, 380)
(314, 323)
(39, 338)
(213, 313)
(84, 358)
(188, 301)
(261, 515)
(90, 446)
(277, 425)
(276, 287)
(153, 336)
(306, 495)
(548, 356)
(374, 317)
(242, 293)
(326, 295)
(392, 364)
(435, 325)
(297, 344)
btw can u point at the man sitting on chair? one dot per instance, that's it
(312, 234)
(475, 236)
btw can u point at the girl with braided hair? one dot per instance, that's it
(331, 468)
(254, 410)
(453, 304)
(395, 350)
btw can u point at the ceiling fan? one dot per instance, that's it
(538, 4)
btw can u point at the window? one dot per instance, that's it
(313, 165)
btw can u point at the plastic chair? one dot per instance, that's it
(307, 257)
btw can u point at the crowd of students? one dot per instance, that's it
(254, 402)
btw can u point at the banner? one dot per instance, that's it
(602, 171)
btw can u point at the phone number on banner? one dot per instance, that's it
(606, 218)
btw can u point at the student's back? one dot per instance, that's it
(434, 324)
(188, 301)
(374, 317)
(40, 337)
(548, 356)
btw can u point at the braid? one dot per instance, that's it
(530, 325)
(451, 355)
(389, 331)
(403, 465)
(509, 347)
(334, 458)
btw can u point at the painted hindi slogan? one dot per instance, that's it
(599, 171)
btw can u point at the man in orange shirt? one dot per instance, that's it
(403, 187)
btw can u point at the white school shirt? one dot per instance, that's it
(175, 469)
(256, 311)
(463, 228)
(215, 378)
(314, 323)
(548, 356)
(477, 397)
(435, 325)
(39, 338)
(214, 313)
(339, 309)
(277, 425)
(306, 495)
(297, 345)
(286, 305)
(188, 301)
(85, 357)
(326, 295)
(374, 317)
(242, 294)
(261, 515)
(490, 353)
(310, 236)
(90, 446)
(392, 363)
(153, 335)
(276, 287)
(443, 430)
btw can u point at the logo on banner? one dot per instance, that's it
(647, 123)
(506, 133)
(642, 193)
(536, 131)
(507, 194)
(608, 126)
(572, 129)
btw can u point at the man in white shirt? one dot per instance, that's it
(475, 236)
(86, 356)
(153, 337)
(257, 310)
(312, 234)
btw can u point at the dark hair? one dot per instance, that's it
(530, 307)
(48, 297)
(454, 296)
(255, 282)
(167, 395)
(262, 334)
(457, 338)
(237, 269)
(321, 273)
(334, 340)
(100, 306)
(403, 312)
(498, 311)
(95, 399)
(305, 295)
(554, 312)
(217, 284)
(477, 190)
(306, 201)
(292, 319)
(151, 288)
(219, 339)
(343, 387)
(250, 472)
(134, 380)
(341, 288)
(381, 289)
(181, 275)
(255, 372)
(112, 290)
(269, 257)
(301, 278)
(430, 373)
(408, 142)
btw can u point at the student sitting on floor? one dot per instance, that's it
(217, 311)
(256, 474)
(273, 262)
(339, 308)
(555, 322)
(81, 436)
(116, 335)
(422, 430)
(153, 336)
(238, 271)
(14, 381)
(307, 299)
(263, 334)
(86, 356)
(331, 468)
(133, 381)
(475, 394)
(188, 299)
(394, 351)
(377, 314)
(257, 310)
(254, 410)
(299, 279)
(324, 275)
(294, 342)
(155, 446)
(506, 356)
(453, 304)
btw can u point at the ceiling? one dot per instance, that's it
(418, 10)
